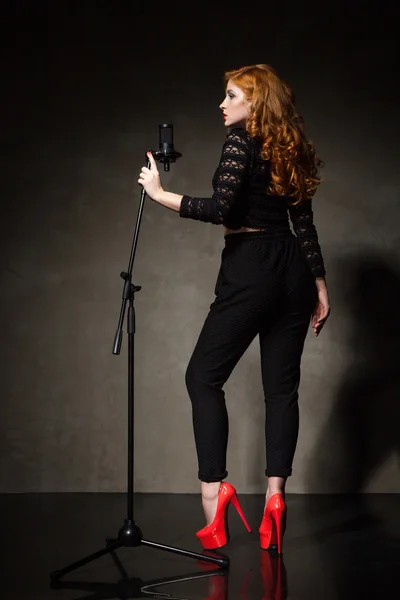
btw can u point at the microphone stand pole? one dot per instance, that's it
(130, 534)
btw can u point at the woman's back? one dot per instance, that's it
(241, 200)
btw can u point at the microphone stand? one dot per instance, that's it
(130, 534)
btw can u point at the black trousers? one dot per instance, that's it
(266, 288)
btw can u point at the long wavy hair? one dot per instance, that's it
(274, 120)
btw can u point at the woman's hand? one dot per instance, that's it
(150, 179)
(321, 310)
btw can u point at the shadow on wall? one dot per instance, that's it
(360, 435)
(363, 430)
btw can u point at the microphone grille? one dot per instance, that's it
(166, 135)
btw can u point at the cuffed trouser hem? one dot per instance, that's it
(280, 473)
(212, 478)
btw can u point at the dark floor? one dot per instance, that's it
(335, 547)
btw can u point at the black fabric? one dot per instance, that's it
(240, 199)
(264, 288)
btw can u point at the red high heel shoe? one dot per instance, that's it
(216, 534)
(273, 524)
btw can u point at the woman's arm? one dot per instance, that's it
(301, 216)
(228, 184)
(169, 200)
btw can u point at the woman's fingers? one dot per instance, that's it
(319, 317)
(144, 174)
(152, 162)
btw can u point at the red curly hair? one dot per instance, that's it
(274, 120)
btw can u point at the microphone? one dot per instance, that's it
(166, 153)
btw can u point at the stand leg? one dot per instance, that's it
(129, 536)
(119, 565)
(222, 562)
(86, 560)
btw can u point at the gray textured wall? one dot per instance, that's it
(85, 94)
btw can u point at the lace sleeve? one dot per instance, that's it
(228, 183)
(301, 216)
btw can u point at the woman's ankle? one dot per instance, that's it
(276, 485)
(272, 491)
(209, 490)
(209, 499)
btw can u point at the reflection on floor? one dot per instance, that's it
(335, 547)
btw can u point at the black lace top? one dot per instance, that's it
(240, 199)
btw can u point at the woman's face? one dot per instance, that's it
(235, 106)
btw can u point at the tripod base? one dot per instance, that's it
(130, 535)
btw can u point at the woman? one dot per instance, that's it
(270, 283)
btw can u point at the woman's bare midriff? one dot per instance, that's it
(228, 231)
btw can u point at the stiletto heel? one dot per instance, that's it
(236, 504)
(272, 526)
(277, 518)
(216, 534)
